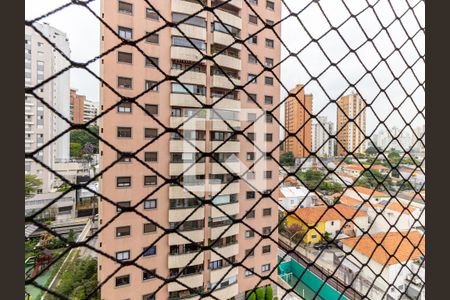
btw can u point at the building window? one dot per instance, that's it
(253, 19)
(151, 14)
(150, 204)
(265, 268)
(249, 233)
(125, 7)
(251, 175)
(252, 59)
(265, 249)
(268, 80)
(151, 62)
(184, 42)
(124, 181)
(123, 231)
(150, 251)
(189, 20)
(251, 117)
(270, 22)
(150, 274)
(251, 214)
(253, 40)
(152, 38)
(149, 297)
(150, 180)
(251, 136)
(269, 43)
(267, 174)
(266, 230)
(250, 195)
(270, 5)
(249, 252)
(150, 133)
(149, 227)
(249, 272)
(125, 33)
(250, 155)
(267, 212)
(269, 118)
(122, 204)
(252, 97)
(151, 109)
(122, 280)
(124, 157)
(251, 78)
(268, 137)
(151, 156)
(149, 84)
(268, 99)
(186, 88)
(254, 2)
(269, 62)
(123, 255)
(124, 82)
(124, 107)
(124, 57)
(124, 132)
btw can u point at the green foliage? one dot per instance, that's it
(269, 292)
(32, 184)
(327, 235)
(250, 296)
(260, 293)
(371, 150)
(76, 150)
(394, 157)
(79, 279)
(71, 236)
(63, 187)
(331, 187)
(287, 159)
(312, 178)
(371, 181)
(83, 137)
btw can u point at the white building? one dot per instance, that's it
(41, 124)
(321, 141)
(61, 209)
(90, 111)
(294, 197)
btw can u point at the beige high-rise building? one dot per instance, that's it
(298, 120)
(351, 124)
(165, 155)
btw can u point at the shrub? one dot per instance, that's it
(250, 296)
(269, 292)
(260, 293)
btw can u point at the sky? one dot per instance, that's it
(83, 31)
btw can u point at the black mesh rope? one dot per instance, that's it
(387, 14)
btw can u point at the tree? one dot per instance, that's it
(311, 178)
(260, 293)
(32, 185)
(75, 150)
(287, 159)
(394, 157)
(85, 136)
(370, 179)
(269, 292)
(250, 296)
(63, 187)
(371, 150)
(327, 235)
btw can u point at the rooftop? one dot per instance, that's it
(367, 191)
(314, 214)
(397, 248)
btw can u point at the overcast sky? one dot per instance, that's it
(83, 33)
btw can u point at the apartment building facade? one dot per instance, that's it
(82, 110)
(351, 125)
(41, 124)
(298, 120)
(322, 129)
(131, 72)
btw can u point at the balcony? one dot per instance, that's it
(226, 251)
(182, 260)
(225, 39)
(191, 281)
(228, 61)
(178, 215)
(185, 146)
(217, 275)
(228, 18)
(228, 146)
(195, 235)
(192, 123)
(217, 231)
(227, 292)
(186, 168)
(190, 31)
(230, 210)
(185, 53)
(223, 82)
(231, 188)
(189, 8)
(190, 77)
(225, 103)
(181, 192)
(177, 99)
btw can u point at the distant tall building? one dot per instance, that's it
(321, 141)
(41, 124)
(129, 127)
(351, 124)
(297, 115)
(81, 109)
